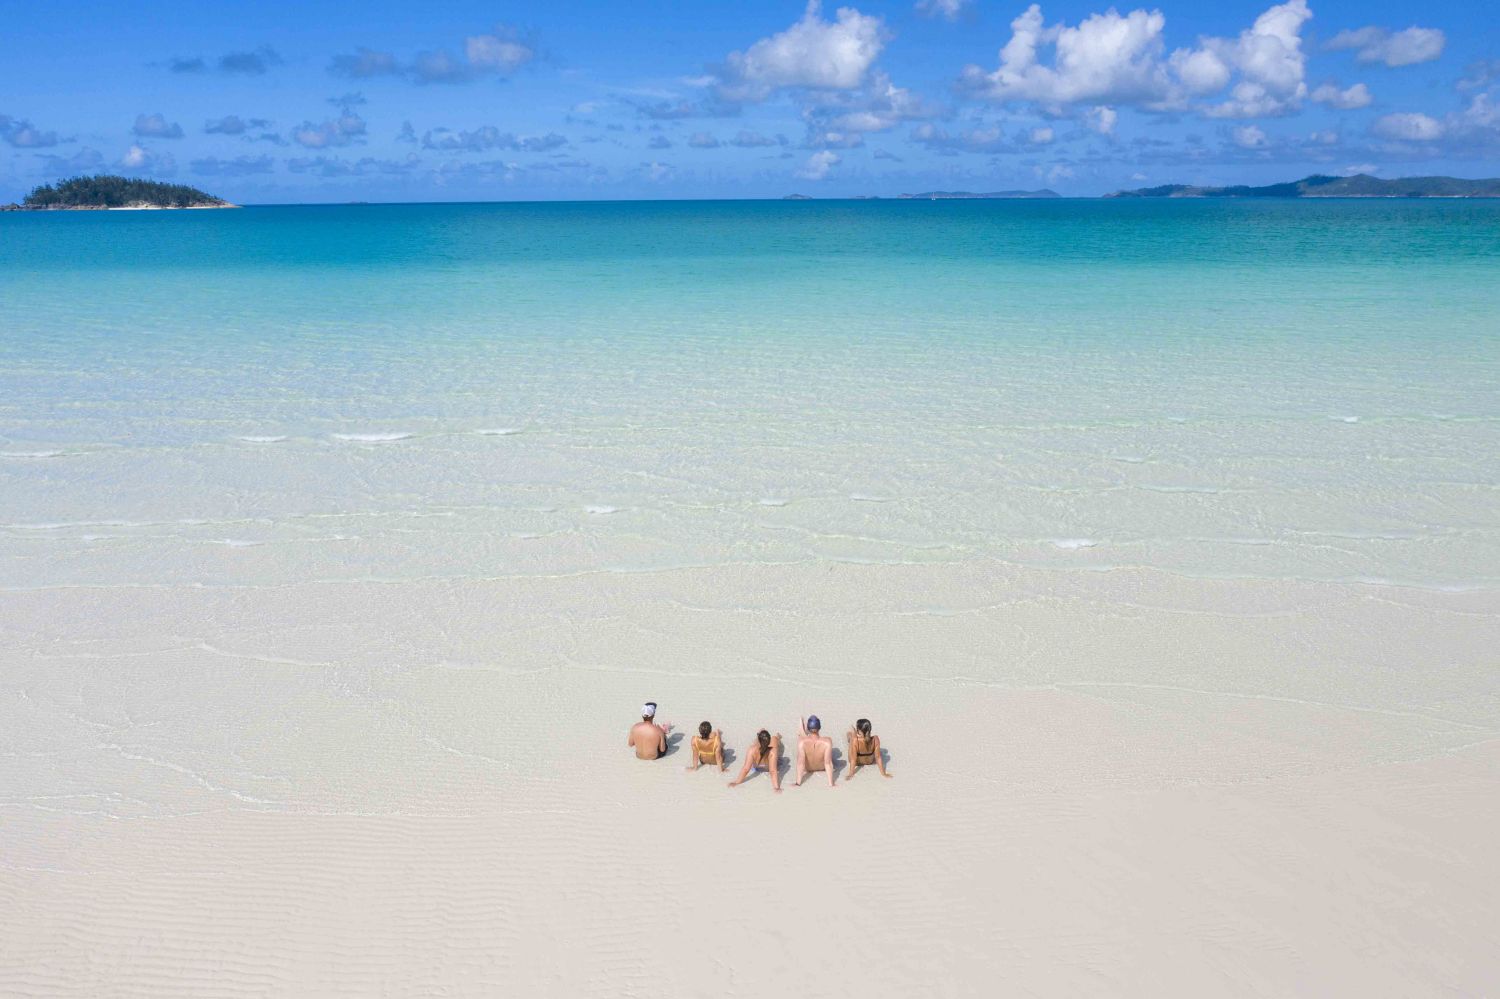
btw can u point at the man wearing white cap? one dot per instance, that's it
(647, 737)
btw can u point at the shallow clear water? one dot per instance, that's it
(1278, 390)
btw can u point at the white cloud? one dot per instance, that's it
(487, 137)
(880, 106)
(983, 139)
(1250, 137)
(347, 128)
(1480, 74)
(155, 126)
(947, 9)
(497, 53)
(818, 165)
(138, 159)
(1057, 172)
(1270, 61)
(813, 53)
(825, 139)
(24, 135)
(1101, 119)
(1408, 127)
(1121, 59)
(1106, 56)
(703, 140)
(1201, 71)
(1040, 135)
(1394, 48)
(1354, 169)
(1357, 96)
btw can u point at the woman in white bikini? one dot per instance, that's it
(764, 755)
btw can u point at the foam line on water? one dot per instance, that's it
(374, 438)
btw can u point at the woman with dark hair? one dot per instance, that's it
(708, 747)
(764, 755)
(864, 749)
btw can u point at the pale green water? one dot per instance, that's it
(1281, 389)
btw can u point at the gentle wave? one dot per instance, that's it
(373, 438)
(499, 432)
(1072, 544)
(259, 439)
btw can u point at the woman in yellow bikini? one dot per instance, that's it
(708, 747)
(864, 749)
(764, 755)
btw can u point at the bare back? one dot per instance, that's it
(816, 750)
(649, 741)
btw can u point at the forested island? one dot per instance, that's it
(103, 192)
(1317, 186)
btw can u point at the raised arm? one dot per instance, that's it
(745, 770)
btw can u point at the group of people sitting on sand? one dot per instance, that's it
(648, 738)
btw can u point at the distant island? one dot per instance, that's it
(1318, 186)
(972, 196)
(106, 192)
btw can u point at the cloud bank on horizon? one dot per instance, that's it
(608, 100)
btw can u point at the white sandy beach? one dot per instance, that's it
(1107, 782)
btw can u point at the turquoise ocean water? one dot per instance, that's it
(1280, 389)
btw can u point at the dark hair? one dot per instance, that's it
(704, 728)
(863, 726)
(764, 738)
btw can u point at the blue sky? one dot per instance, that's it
(379, 101)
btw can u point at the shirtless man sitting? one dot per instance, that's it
(647, 737)
(814, 750)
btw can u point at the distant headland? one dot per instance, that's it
(1317, 186)
(120, 193)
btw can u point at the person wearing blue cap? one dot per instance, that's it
(814, 750)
